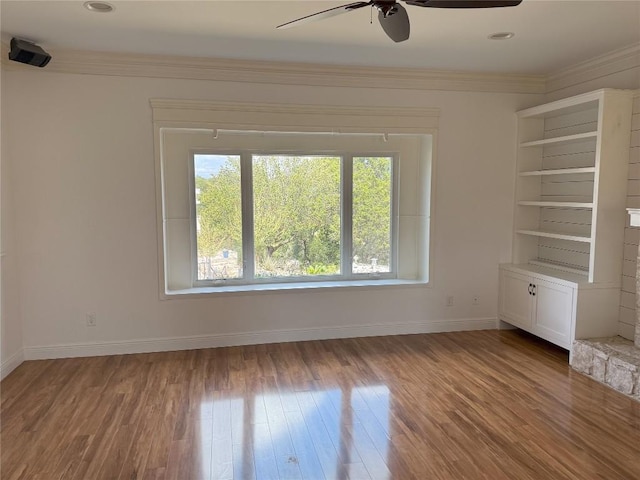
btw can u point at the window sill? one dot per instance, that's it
(201, 292)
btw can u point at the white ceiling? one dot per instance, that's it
(550, 34)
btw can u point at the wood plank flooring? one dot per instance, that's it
(469, 405)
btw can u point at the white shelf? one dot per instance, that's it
(560, 268)
(579, 137)
(555, 204)
(559, 171)
(558, 236)
(554, 273)
(577, 103)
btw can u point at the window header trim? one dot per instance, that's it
(169, 113)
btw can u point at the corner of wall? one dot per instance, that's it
(11, 338)
(11, 363)
(617, 69)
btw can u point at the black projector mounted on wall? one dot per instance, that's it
(26, 52)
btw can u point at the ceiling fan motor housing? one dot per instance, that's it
(386, 7)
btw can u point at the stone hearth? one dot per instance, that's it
(614, 361)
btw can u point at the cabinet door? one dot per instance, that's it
(553, 312)
(515, 302)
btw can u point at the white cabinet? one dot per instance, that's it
(569, 217)
(553, 312)
(515, 299)
(541, 307)
(557, 306)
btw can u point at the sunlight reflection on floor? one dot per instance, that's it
(309, 434)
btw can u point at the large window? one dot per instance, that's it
(260, 197)
(273, 217)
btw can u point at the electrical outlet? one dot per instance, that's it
(450, 301)
(91, 320)
(475, 300)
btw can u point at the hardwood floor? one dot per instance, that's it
(469, 405)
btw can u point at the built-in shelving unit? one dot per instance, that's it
(572, 161)
(572, 165)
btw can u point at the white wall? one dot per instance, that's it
(629, 78)
(617, 69)
(83, 179)
(11, 326)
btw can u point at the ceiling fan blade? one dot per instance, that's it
(396, 24)
(332, 12)
(464, 3)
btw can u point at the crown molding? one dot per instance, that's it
(282, 73)
(619, 60)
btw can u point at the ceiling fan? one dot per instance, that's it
(392, 15)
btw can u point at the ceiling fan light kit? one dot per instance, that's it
(99, 7)
(393, 16)
(501, 36)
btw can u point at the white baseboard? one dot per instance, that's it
(252, 338)
(11, 363)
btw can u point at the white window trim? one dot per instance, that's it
(206, 116)
(346, 223)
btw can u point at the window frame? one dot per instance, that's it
(176, 120)
(346, 217)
